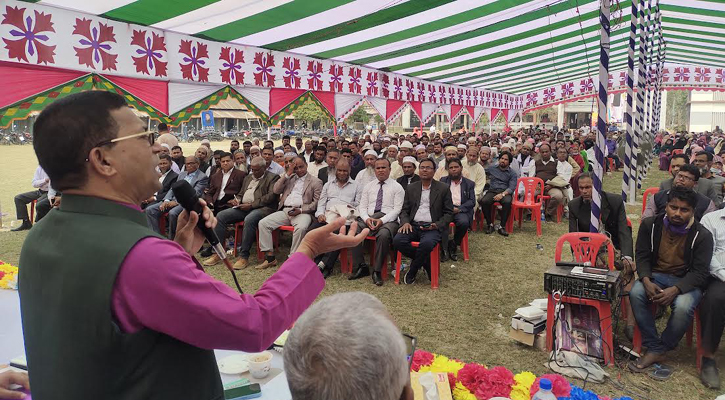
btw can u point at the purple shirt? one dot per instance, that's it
(160, 287)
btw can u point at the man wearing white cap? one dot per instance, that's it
(450, 152)
(396, 169)
(461, 149)
(392, 153)
(368, 173)
(409, 175)
(473, 170)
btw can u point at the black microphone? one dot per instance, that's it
(186, 196)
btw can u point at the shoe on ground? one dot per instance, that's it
(267, 264)
(409, 277)
(452, 251)
(23, 227)
(444, 255)
(453, 256)
(427, 273)
(377, 279)
(709, 375)
(326, 272)
(207, 252)
(362, 271)
(502, 231)
(241, 264)
(213, 260)
(490, 229)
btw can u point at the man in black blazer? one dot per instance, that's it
(167, 178)
(427, 211)
(409, 175)
(463, 196)
(328, 172)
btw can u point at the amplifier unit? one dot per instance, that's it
(582, 282)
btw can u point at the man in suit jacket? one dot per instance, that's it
(254, 201)
(167, 178)
(299, 192)
(463, 195)
(427, 211)
(704, 186)
(328, 172)
(196, 178)
(224, 184)
(409, 176)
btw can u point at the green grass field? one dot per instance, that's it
(467, 318)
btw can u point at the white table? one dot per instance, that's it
(11, 346)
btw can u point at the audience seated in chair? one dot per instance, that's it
(167, 178)
(673, 257)
(427, 211)
(337, 195)
(196, 178)
(687, 177)
(380, 203)
(463, 195)
(300, 193)
(41, 182)
(224, 184)
(254, 201)
(705, 187)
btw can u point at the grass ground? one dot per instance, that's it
(467, 318)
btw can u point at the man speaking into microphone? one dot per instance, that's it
(112, 310)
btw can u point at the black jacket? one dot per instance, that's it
(698, 252)
(403, 180)
(441, 204)
(166, 185)
(322, 175)
(614, 217)
(468, 196)
(703, 203)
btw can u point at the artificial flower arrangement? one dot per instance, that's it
(8, 276)
(477, 382)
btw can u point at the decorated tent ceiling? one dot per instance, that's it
(457, 56)
(515, 46)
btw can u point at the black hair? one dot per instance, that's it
(321, 148)
(227, 154)
(346, 151)
(449, 162)
(217, 152)
(691, 169)
(165, 157)
(433, 162)
(680, 155)
(333, 150)
(301, 158)
(67, 130)
(511, 157)
(705, 153)
(689, 196)
(235, 140)
(584, 175)
(177, 147)
(384, 159)
(288, 137)
(162, 127)
(249, 142)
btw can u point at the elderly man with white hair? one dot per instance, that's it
(333, 353)
(396, 168)
(368, 174)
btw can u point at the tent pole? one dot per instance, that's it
(629, 192)
(601, 115)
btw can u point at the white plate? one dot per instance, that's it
(234, 364)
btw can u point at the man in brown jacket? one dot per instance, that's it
(254, 201)
(299, 192)
(224, 184)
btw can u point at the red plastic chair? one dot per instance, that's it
(464, 242)
(238, 230)
(275, 238)
(32, 211)
(650, 191)
(479, 222)
(162, 223)
(637, 339)
(509, 221)
(559, 209)
(346, 265)
(531, 185)
(585, 250)
(435, 265)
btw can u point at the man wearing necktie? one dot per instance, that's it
(380, 204)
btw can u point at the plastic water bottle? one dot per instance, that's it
(543, 215)
(544, 392)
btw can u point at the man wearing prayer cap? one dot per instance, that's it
(392, 153)
(450, 152)
(368, 173)
(420, 153)
(409, 176)
(461, 149)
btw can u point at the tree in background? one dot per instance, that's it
(678, 110)
(311, 113)
(359, 115)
